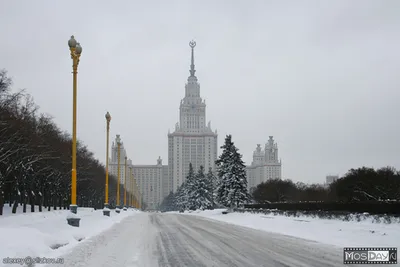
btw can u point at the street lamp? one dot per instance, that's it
(118, 139)
(76, 51)
(126, 159)
(136, 196)
(130, 188)
(106, 210)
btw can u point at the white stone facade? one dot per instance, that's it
(265, 165)
(113, 162)
(150, 182)
(149, 178)
(331, 178)
(192, 141)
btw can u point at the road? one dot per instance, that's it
(175, 240)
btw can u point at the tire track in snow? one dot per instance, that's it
(194, 241)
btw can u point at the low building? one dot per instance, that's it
(151, 181)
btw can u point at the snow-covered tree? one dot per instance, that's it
(181, 199)
(211, 184)
(201, 193)
(35, 158)
(238, 194)
(190, 188)
(232, 180)
(223, 169)
(168, 203)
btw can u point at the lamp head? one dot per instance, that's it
(72, 42)
(108, 116)
(78, 49)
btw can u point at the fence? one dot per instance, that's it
(375, 207)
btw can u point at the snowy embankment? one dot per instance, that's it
(335, 232)
(47, 234)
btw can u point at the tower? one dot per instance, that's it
(271, 151)
(192, 141)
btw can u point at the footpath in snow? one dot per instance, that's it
(47, 234)
(328, 231)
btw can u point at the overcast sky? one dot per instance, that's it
(322, 77)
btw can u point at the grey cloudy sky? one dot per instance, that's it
(322, 77)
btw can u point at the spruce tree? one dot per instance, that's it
(232, 181)
(168, 203)
(211, 183)
(223, 169)
(201, 193)
(238, 193)
(190, 188)
(180, 198)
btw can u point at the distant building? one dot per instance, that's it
(331, 178)
(150, 182)
(193, 141)
(265, 164)
(149, 178)
(113, 163)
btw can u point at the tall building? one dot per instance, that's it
(113, 167)
(331, 178)
(113, 163)
(193, 141)
(150, 182)
(265, 164)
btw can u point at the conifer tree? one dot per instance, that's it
(232, 181)
(201, 193)
(190, 188)
(211, 183)
(223, 169)
(238, 193)
(180, 198)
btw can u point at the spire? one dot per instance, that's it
(192, 44)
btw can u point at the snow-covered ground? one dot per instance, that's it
(37, 234)
(334, 232)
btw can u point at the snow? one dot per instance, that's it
(334, 232)
(72, 215)
(47, 233)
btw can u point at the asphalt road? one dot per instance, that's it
(175, 240)
(185, 240)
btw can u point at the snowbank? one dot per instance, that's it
(335, 232)
(47, 234)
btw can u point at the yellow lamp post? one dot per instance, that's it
(131, 188)
(118, 140)
(76, 50)
(139, 199)
(133, 194)
(106, 210)
(126, 170)
(136, 195)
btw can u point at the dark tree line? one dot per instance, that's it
(362, 184)
(35, 158)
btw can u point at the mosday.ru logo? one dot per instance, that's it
(368, 256)
(378, 255)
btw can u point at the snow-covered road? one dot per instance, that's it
(162, 239)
